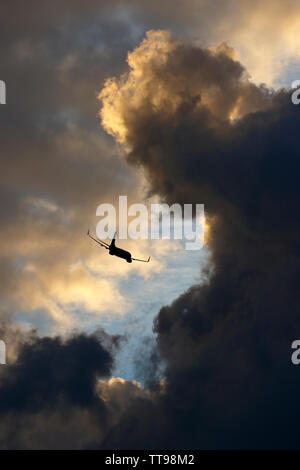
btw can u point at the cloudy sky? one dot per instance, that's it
(182, 101)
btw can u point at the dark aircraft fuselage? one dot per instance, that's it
(114, 251)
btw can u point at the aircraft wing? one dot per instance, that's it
(102, 243)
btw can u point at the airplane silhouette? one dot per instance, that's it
(115, 251)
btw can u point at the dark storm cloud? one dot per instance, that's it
(50, 369)
(55, 394)
(49, 378)
(230, 382)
